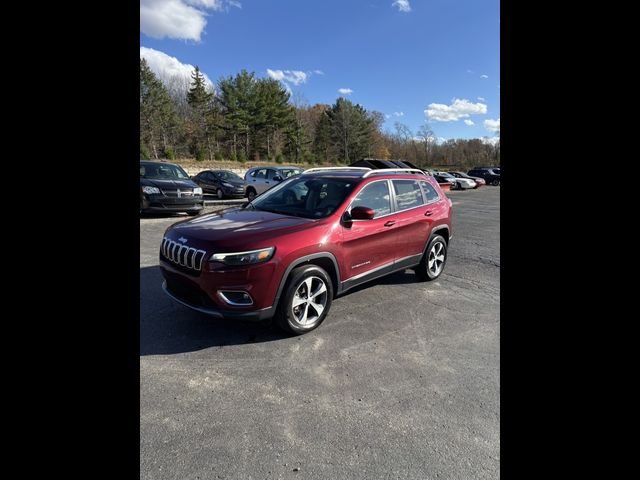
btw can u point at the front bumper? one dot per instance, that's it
(161, 203)
(256, 315)
(234, 192)
(201, 290)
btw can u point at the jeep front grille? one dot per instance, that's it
(182, 255)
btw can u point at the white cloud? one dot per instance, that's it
(458, 109)
(289, 76)
(481, 99)
(492, 125)
(387, 115)
(490, 140)
(470, 71)
(167, 68)
(469, 122)
(180, 19)
(318, 72)
(403, 5)
(399, 114)
(345, 91)
(484, 76)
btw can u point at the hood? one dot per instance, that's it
(168, 184)
(237, 229)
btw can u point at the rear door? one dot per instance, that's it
(412, 221)
(369, 246)
(258, 180)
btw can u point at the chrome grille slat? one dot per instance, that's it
(182, 255)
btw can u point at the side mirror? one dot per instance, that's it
(362, 213)
(277, 178)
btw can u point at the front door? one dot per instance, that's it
(369, 245)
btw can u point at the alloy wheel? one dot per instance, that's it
(436, 259)
(309, 301)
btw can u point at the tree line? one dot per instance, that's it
(249, 118)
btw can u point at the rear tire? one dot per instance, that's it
(434, 259)
(495, 183)
(305, 301)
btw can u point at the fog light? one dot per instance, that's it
(235, 297)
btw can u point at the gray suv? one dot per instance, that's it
(261, 179)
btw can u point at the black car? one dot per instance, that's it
(489, 174)
(165, 187)
(221, 182)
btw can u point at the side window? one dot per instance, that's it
(429, 192)
(270, 174)
(375, 196)
(408, 194)
(262, 173)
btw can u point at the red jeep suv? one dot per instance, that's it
(314, 236)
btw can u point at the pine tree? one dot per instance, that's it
(158, 120)
(201, 105)
(350, 130)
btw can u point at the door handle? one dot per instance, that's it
(428, 213)
(390, 223)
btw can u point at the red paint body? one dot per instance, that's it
(357, 246)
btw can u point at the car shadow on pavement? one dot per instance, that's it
(169, 328)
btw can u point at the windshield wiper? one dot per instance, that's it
(280, 212)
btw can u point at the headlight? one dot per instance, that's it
(227, 184)
(150, 190)
(197, 191)
(244, 258)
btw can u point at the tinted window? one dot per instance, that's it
(288, 172)
(408, 194)
(429, 192)
(262, 173)
(375, 196)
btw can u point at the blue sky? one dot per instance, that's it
(417, 61)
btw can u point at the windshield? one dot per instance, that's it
(162, 171)
(225, 175)
(288, 172)
(305, 197)
(446, 175)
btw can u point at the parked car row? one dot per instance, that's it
(166, 187)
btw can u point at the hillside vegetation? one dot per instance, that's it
(250, 121)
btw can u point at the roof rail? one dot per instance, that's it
(384, 171)
(322, 169)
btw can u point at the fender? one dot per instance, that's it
(299, 261)
(434, 231)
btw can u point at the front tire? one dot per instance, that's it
(495, 183)
(434, 259)
(251, 194)
(305, 301)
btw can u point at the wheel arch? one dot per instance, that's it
(325, 260)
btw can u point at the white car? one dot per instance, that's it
(457, 183)
(261, 179)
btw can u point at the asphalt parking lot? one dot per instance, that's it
(401, 381)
